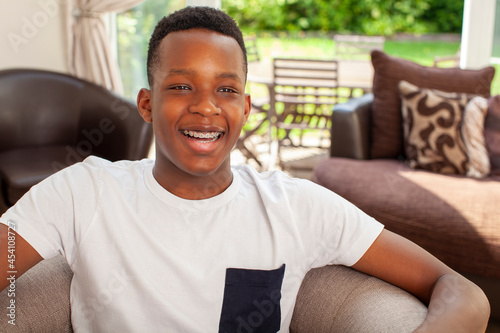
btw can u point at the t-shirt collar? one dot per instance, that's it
(191, 205)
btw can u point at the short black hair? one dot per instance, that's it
(192, 18)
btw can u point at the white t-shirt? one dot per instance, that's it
(145, 260)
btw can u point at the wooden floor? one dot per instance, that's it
(297, 162)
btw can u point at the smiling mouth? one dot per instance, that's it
(202, 136)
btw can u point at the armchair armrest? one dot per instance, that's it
(341, 299)
(350, 132)
(39, 299)
(334, 298)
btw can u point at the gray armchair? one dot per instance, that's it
(331, 299)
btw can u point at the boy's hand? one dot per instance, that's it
(454, 303)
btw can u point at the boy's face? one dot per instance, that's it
(197, 104)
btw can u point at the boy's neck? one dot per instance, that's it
(193, 187)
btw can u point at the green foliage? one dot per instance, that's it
(446, 15)
(255, 14)
(370, 17)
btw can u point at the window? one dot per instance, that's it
(495, 53)
(134, 28)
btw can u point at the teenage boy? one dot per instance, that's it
(186, 243)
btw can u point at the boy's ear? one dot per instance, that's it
(248, 106)
(144, 104)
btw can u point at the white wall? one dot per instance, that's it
(32, 35)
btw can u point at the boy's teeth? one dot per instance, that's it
(202, 135)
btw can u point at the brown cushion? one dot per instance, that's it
(492, 133)
(387, 130)
(453, 217)
(432, 129)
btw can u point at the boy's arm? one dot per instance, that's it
(454, 303)
(16, 256)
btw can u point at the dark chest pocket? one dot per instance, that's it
(252, 301)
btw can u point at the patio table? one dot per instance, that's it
(353, 74)
(354, 77)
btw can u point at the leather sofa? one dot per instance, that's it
(456, 218)
(331, 299)
(51, 120)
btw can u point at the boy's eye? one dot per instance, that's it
(228, 90)
(180, 88)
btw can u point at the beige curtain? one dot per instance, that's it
(89, 52)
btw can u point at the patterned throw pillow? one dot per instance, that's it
(387, 132)
(473, 136)
(432, 122)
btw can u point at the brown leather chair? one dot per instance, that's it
(49, 121)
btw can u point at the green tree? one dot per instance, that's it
(445, 15)
(372, 17)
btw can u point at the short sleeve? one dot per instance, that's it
(54, 214)
(335, 231)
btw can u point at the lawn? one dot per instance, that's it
(422, 52)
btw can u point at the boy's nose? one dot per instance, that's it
(205, 105)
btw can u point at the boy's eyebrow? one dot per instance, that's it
(180, 71)
(184, 71)
(229, 75)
